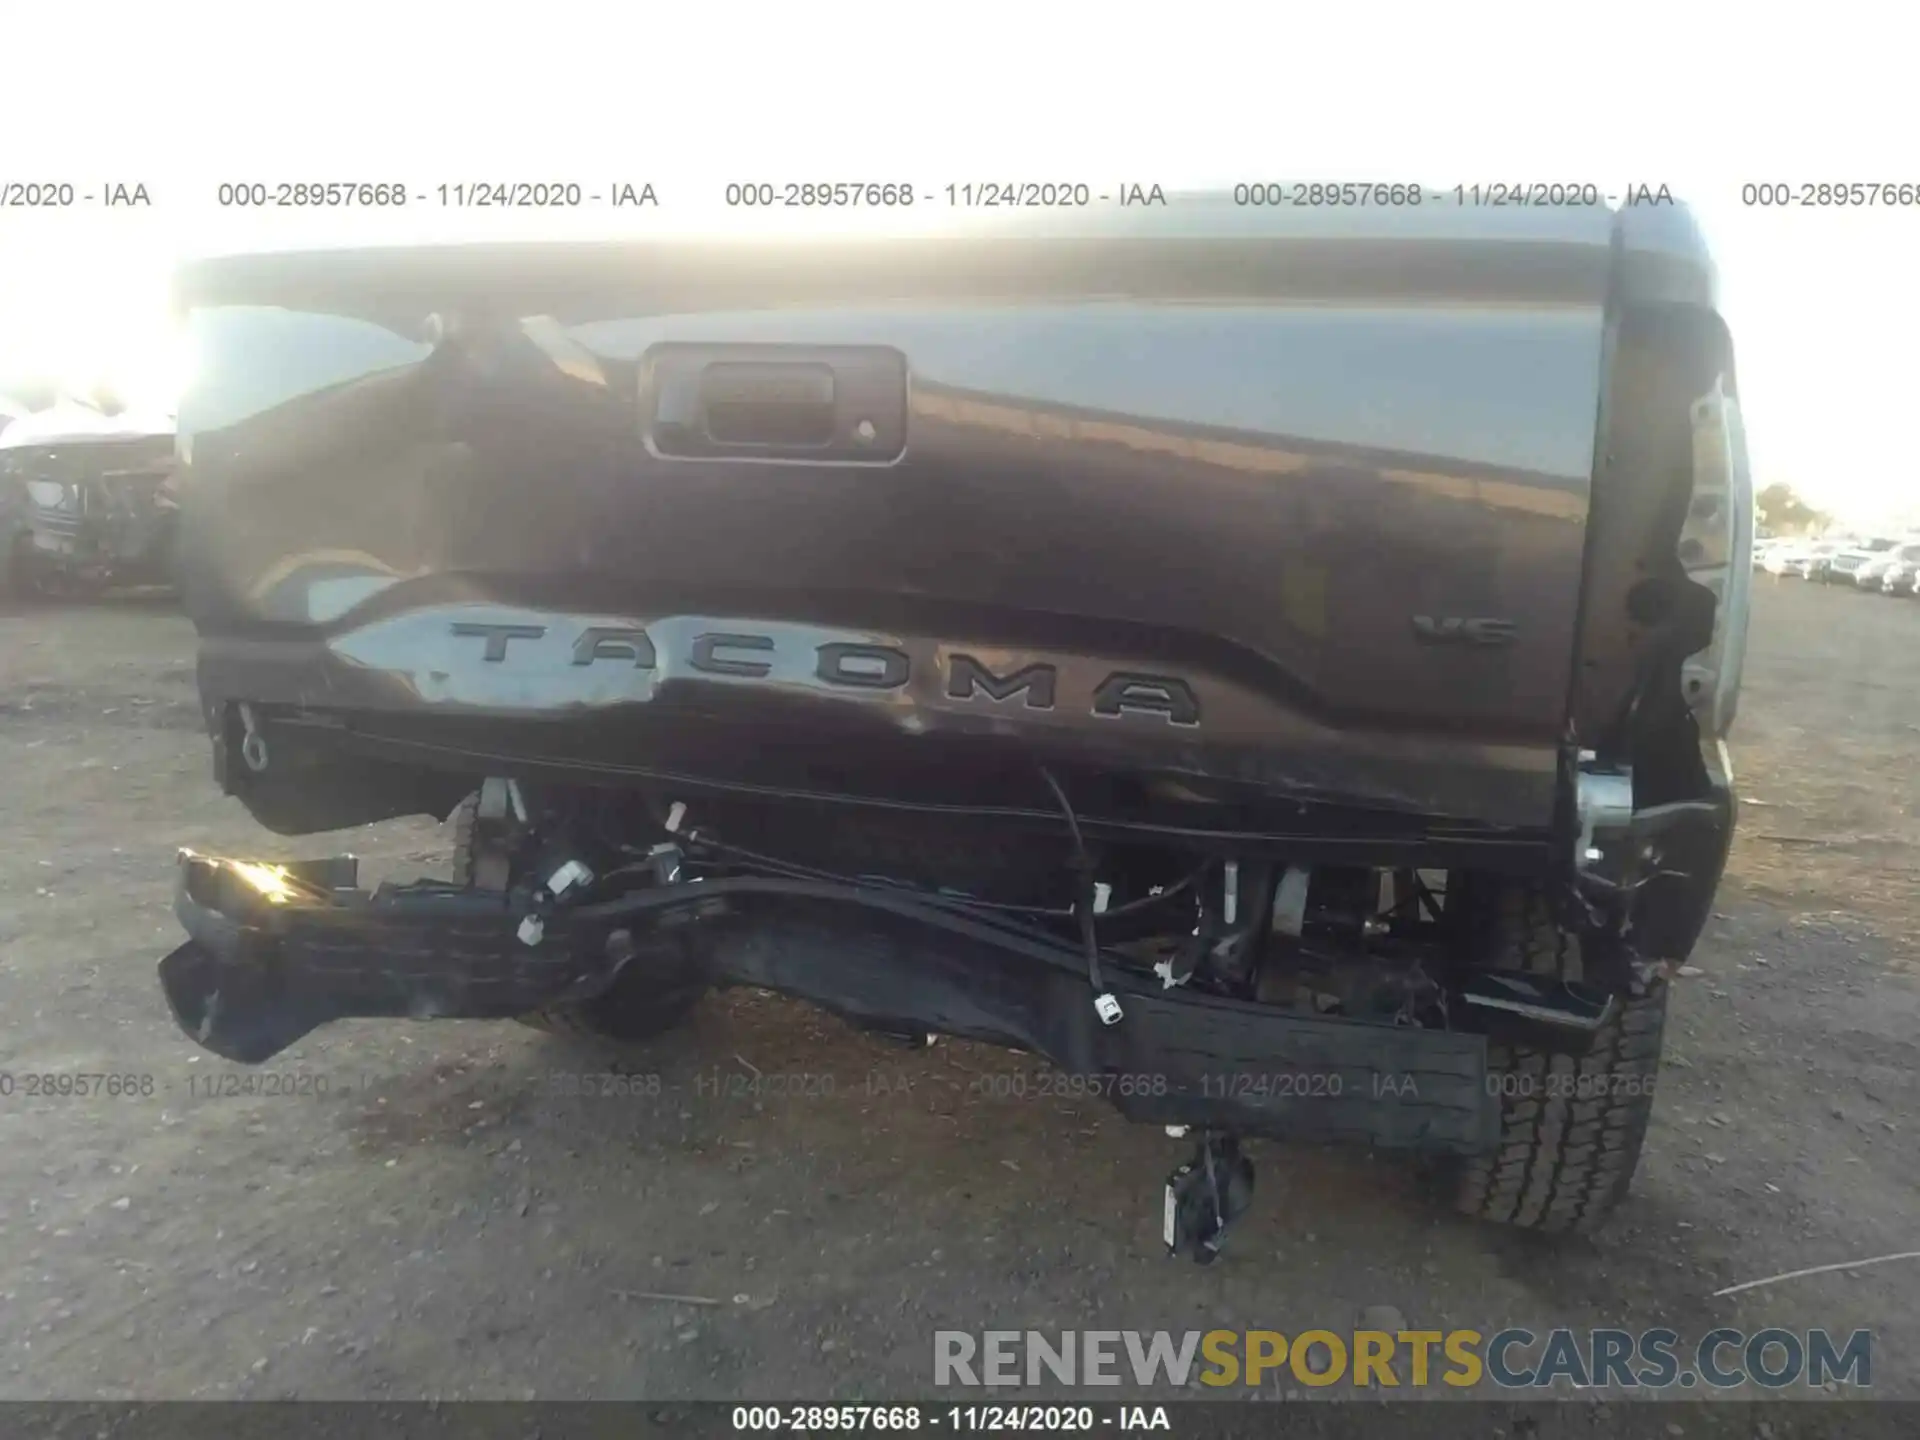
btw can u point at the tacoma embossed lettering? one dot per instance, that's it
(855, 665)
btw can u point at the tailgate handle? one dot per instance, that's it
(762, 404)
(768, 403)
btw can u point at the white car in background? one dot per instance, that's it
(1855, 555)
(1873, 570)
(1802, 560)
(1900, 575)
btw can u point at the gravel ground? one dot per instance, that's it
(450, 1218)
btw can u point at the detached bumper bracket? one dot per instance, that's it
(275, 951)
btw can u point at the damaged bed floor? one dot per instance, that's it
(474, 1211)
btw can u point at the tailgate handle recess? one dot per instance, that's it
(773, 404)
(746, 402)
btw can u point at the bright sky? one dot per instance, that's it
(1824, 303)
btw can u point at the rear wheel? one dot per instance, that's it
(1571, 1126)
(657, 988)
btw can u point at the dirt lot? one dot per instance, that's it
(450, 1219)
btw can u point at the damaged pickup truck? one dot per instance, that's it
(1286, 657)
(87, 500)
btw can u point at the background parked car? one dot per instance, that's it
(1898, 578)
(1776, 545)
(86, 500)
(1869, 574)
(1817, 564)
(1774, 562)
(1855, 555)
(1804, 561)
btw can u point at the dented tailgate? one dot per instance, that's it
(1254, 498)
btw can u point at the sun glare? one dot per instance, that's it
(89, 308)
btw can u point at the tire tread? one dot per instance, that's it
(1565, 1160)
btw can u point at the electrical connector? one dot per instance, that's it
(665, 860)
(566, 877)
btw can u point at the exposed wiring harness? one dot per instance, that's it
(1105, 1004)
(1012, 920)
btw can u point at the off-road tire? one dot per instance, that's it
(1571, 1126)
(648, 1000)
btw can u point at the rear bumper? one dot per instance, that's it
(272, 954)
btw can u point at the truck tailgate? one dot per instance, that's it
(1317, 497)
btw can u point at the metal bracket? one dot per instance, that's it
(498, 797)
(1603, 803)
(1205, 1196)
(1619, 848)
(1290, 901)
(499, 809)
